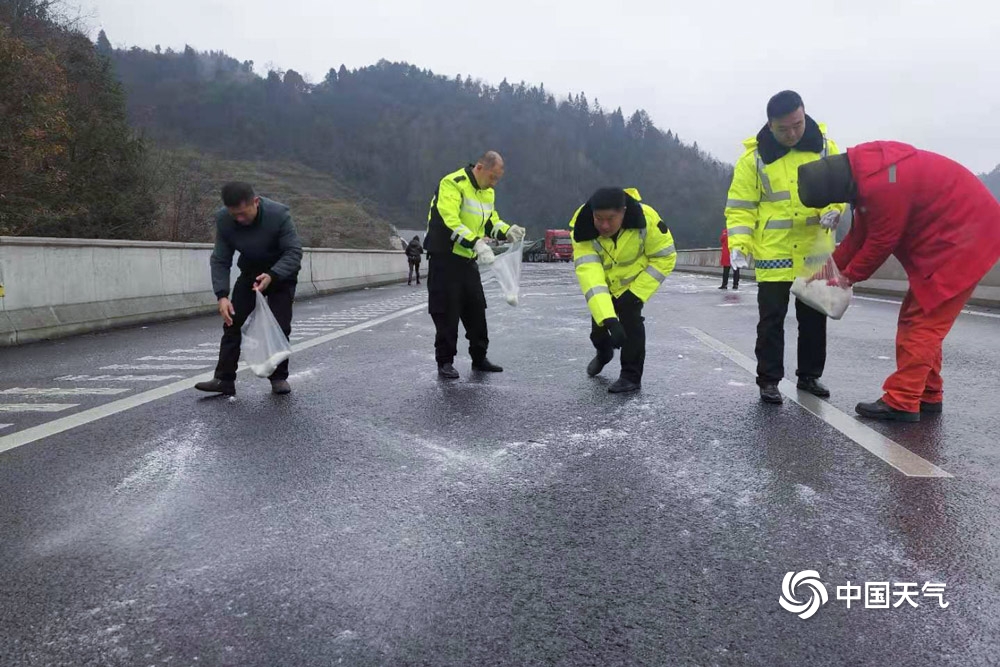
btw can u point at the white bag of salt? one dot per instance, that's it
(264, 344)
(816, 291)
(507, 270)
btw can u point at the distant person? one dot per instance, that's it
(726, 263)
(270, 259)
(414, 251)
(943, 226)
(768, 223)
(623, 251)
(461, 216)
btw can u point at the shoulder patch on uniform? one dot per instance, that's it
(459, 179)
(662, 226)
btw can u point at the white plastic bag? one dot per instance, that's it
(264, 344)
(506, 269)
(822, 292)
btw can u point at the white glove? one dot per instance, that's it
(484, 253)
(515, 233)
(738, 259)
(830, 220)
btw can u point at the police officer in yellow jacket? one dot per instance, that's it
(622, 251)
(462, 214)
(767, 222)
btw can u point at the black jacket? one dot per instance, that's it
(414, 250)
(267, 245)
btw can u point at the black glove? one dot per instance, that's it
(616, 331)
(629, 301)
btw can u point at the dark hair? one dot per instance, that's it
(608, 198)
(236, 193)
(783, 104)
(417, 237)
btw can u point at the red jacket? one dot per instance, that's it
(933, 214)
(724, 240)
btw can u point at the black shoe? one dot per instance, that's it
(280, 387)
(880, 410)
(598, 363)
(736, 287)
(409, 283)
(486, 366)
(622, 386)
(217, 386)
(813, 386)
(447, 371)
(723, 286)
(769, 394)
(931, 408)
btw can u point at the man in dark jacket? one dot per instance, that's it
(413, 253)
(270, 259)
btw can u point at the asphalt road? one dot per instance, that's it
(380, 516)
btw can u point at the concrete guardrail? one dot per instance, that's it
(58, 287)
(890, 279)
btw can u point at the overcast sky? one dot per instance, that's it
(920, 71)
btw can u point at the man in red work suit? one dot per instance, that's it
(943, 226)
(726, 263)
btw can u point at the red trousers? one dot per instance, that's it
(918, 352)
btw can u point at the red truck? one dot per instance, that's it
(558, 245)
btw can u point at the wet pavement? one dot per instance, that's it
(380, 516)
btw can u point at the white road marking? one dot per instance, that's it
(32, 407)
(888, 450)
(58, 391)
(29, 435)
(154, 367)
(3, 426)
(966, 311)
(176, 359)
(117, 378)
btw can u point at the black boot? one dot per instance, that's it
(280, 387)
(597, 364)
(447, 371)
(769, 394)
(217, 386)
(623, 385)
(931, 408)
(813, 386)
(486, 365)
(881, 410)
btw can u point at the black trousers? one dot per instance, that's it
(455, 293)
(772, 304)
(725, 276)
(414, 266)
(633, 355)
(280, 295)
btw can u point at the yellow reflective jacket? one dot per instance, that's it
(460, 214)
(638, 259)
(764, 214)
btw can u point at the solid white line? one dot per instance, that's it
(888, 450)
(966, 311)
(176, 359)
(29, 435)
(3, 426)
(32, 407)
(154, 367)
(60, 391)
(116, 378)
(185, 352)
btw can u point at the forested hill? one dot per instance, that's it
(390, 131)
